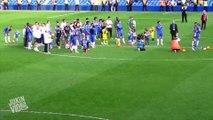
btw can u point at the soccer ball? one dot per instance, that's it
(208, 48)
(204, 48)
(118, 45)
(13, 41)
(53, 35)
(183, 50)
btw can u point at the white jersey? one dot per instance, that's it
(108, 23)
(63, 24)
(36, 32)
(24, 32)
(47, 38)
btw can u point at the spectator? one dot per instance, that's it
(91, 4)
(96, 5)
(173, 4)
(66, 2)
(103, 5)
(29, 4)
(54, 4)
(109, 25)
(205, 5)
(129, 5)
(77, 5)
(116, 5)
(167, 5)
(109, 4)
(173, 30)
(19, 4)
(38, 4)
(204, 18)
(195, 5)
(184, 13)
(144, 5)
(161, 5)
(6, 7)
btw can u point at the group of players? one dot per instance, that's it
(77, 34)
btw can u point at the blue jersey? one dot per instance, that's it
(92, 34)
(197, 32)
(85, 46)
(130, 36)
(7, 30)
(140, 44)
(159, 29)
(120, 30)
(58, 33)
(86, 29)
(29, 33)
(16, 35)
(147, 35)
(95, 22)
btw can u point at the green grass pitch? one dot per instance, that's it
(108, 82)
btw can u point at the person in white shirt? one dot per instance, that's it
(29, 4)
(66, 2)
(96, 5)
(36, 36)
(109, 25)
(47, 41)
(77, 5)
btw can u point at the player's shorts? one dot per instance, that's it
(38, 40)
(160, 34)
(29, 38)
(120, 34)
(67, 36)
(92, 37)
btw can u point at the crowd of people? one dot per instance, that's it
(78, 35)
(112, 5)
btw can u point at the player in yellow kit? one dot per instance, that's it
(104, 36)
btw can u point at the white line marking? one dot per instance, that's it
(61, 114)
(72, 13)
(131, 59)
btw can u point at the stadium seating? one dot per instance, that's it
(153, 5)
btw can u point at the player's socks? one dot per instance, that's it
(5, 39)
(8, 39)
(161, 41)
(123, 40)
(197, 42)
(157, 42)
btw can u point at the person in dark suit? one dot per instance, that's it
(173, 30)
(184, 13)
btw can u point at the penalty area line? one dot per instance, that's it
(131, 59)
(61, 114)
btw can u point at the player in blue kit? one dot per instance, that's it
(140, 42)
(159, 29)
(93, 35)
(29, 36)
(120, 33)
(74, 41)
(16, 35)
(58, 34)
(147, 36)
(196, 36)
(87, 32)
(7, 34)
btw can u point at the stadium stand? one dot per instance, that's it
(153, 5)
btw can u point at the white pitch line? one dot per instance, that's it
(130, 59)
(62, 114)
(63, 15)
